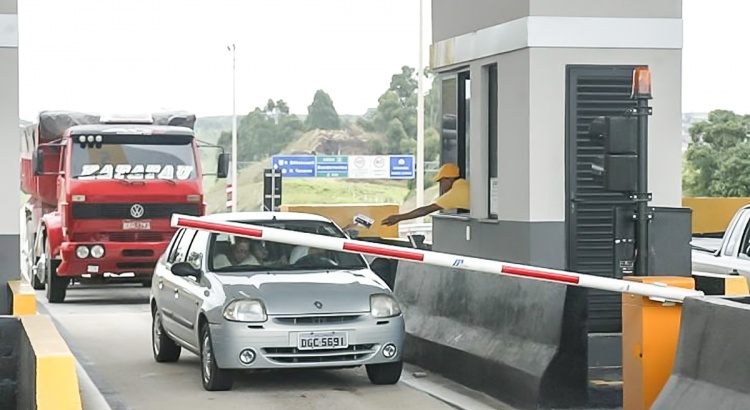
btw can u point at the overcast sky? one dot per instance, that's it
(144, 55)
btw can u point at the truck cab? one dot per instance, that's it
(103, 194)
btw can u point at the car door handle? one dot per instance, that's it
(160, 283)
(176, 293)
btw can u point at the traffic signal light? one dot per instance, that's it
(618, 166)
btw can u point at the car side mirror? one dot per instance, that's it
(185, 269)
(37, 161)
(223, 166)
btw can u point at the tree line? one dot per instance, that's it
(266, 131)
(717, 160)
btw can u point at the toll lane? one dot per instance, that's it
(108, 328)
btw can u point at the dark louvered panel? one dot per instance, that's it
(597, 92)
(123, 210)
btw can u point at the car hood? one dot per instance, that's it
(288, 293)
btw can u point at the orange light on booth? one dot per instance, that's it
(641, 83)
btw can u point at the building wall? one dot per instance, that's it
(451, 18)
(9, 155)
(532, 50)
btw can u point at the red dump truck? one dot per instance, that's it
(102, 191)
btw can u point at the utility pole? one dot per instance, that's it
(641, 92)
(235, 154)
(419, 168)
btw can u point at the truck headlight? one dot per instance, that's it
(82, 251)
(97, 251)
(245, 310)
(383, 305)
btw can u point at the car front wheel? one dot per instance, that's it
(164, 348)
(214, 378)
(385, 373)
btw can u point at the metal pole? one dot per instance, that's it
(273, 188)
(642, 268)
(419, 168)
(257, 232)
(235, 154)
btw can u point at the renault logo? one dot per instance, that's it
(318, 305)
(136, 211)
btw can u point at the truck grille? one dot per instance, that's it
(147, 236)
(122, 211)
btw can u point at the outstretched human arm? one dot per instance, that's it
(416, 213)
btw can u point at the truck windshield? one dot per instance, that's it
(133, 161)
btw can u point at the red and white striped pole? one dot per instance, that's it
(229, 190)
(657, 292)
(229, 196)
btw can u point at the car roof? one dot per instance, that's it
(265, 216)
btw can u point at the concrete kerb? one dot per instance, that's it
(41, 345)
(710, 370)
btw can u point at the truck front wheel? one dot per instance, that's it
(55, 286)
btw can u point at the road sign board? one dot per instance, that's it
(401, 167)
(295, 166)
(369, 167)
(272, 182)
(332, 166)
(346, 166)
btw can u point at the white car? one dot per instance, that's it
(279, 307)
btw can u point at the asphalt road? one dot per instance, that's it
(108, 330)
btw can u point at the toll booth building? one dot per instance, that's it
(520, 81)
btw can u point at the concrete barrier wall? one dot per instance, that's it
(22, 298)
(521, 341)
(48, 378)
(10, 329)
(711, 369)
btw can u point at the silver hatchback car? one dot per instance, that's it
(242, 304)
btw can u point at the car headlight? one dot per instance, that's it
(382, 305)
(97, 251)
(245, 310)
(82, 251)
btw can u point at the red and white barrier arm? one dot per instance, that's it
(657, 292)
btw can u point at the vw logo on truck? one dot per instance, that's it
(136, 211)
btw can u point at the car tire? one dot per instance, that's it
(164, 348)
(385, 373)
(212, 377)
(55, 286)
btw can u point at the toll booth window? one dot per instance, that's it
(492, 146)
(455, 96)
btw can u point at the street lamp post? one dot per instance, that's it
(419, 169)
(235, 154)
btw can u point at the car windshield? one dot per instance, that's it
(229, 253)
(133, 161)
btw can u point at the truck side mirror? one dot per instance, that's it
(37, 161)
(223, 166)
